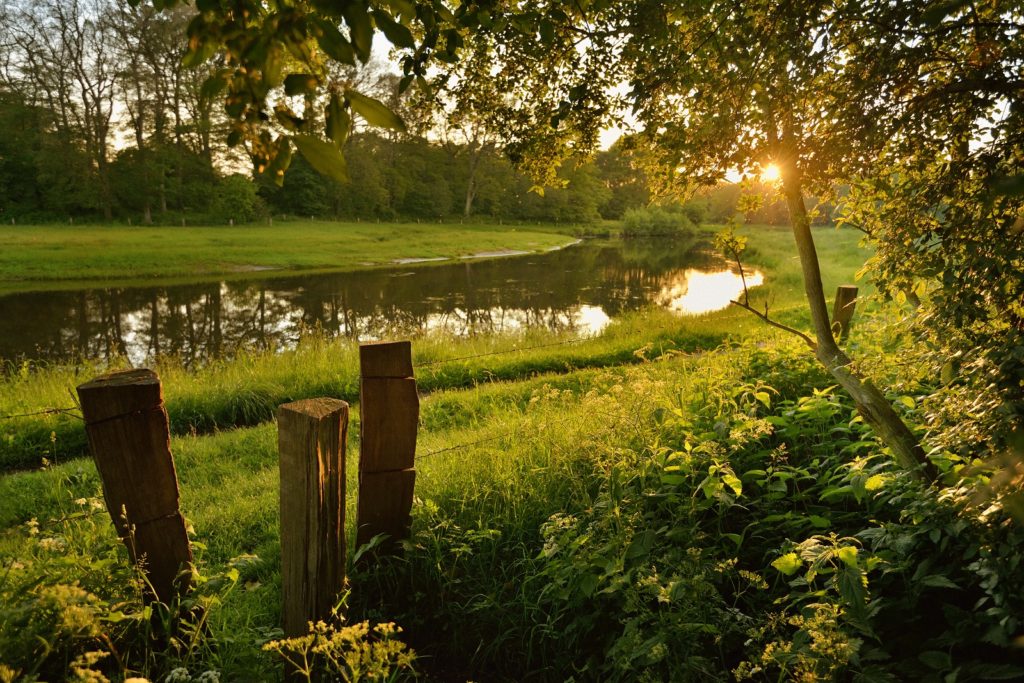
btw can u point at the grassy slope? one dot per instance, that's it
(66, 252)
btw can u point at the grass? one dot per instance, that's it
(38, 256)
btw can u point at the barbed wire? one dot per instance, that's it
(44, 411)
(461, 446)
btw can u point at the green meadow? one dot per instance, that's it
(39, 255)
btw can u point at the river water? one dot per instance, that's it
(578, 289)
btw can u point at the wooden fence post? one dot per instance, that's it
(311, 438)
(842, 311)
(127, 428)
(388, 418)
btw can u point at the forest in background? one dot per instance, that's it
(104, 120)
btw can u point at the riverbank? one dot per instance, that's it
(246, 391)
(50, 256)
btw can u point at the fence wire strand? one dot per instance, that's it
(45, 411)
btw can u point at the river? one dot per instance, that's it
(578, 289)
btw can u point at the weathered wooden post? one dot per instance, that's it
(127, 428)
(842, 311)
(311, 438)
(389, 410)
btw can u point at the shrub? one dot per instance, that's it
(237, 199)
(654, 221)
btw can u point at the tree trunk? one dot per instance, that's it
(475, 153)
(871, 403)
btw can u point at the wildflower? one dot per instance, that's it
(178, 675)
(53, 543)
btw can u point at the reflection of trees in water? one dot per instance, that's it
(199, 321)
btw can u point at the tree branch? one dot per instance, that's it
(774, 323)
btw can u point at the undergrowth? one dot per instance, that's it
(684, 518)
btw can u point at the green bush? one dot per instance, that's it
(654, 221)
(237, 199)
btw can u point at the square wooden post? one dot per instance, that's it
(311, 438)
(388, 419)
(127, 428)
(842, 311)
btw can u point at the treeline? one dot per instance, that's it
(100, 120)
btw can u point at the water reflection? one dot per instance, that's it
(702, 292)
(578, 290)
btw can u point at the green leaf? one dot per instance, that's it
(641, 545)
(299, 84)
(788, 564)
(875, 482)
(547, 32)
(764, 398)
(213, 85)
(1009, 185)
(374, 111)
(819, 522)
(323, 156)
(938, 581)
(848, 555)
(940, 661)
(338, 120)
(360, 30)
(281, 161)
(334, 44)
(733, 482)
(398, 34)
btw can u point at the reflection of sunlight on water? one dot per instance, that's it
(593, 319)
(702, 292)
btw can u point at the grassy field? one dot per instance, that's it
(35, 254)
(247, 390)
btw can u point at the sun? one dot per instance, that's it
(770, 173)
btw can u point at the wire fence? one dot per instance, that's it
(45, 411)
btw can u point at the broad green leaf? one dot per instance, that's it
(334, 44)
(281, 161)
(848, 555)
(323, 156)
(788, 564)
(875, 482)
(938, 581)
(819, 522)
(338, 120)
(213, 85)
(398, 34)
(374, 111)
(1009, 185)
(360, 30)
(733, 482)
(764, 398)
(641, 545)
